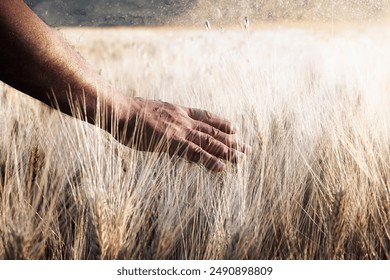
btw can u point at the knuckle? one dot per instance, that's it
(210, 141)
(169, 106)
(208, 115)
(214, 132)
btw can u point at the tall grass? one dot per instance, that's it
(313, 106)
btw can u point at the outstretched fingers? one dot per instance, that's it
(193, 134)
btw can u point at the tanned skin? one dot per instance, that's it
(36, 60)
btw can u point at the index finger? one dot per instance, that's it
(211, 119)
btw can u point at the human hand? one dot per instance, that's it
(193, 134)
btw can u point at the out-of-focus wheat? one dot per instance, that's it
(313, 107)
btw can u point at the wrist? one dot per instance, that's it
(121, 116)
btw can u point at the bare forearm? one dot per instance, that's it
(36, 60)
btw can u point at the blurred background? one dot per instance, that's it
(195, 12)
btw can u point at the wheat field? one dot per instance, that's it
(312, 102)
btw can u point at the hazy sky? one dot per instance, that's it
(195, 12)
(109, 12)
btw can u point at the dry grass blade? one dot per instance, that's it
(315, 185)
